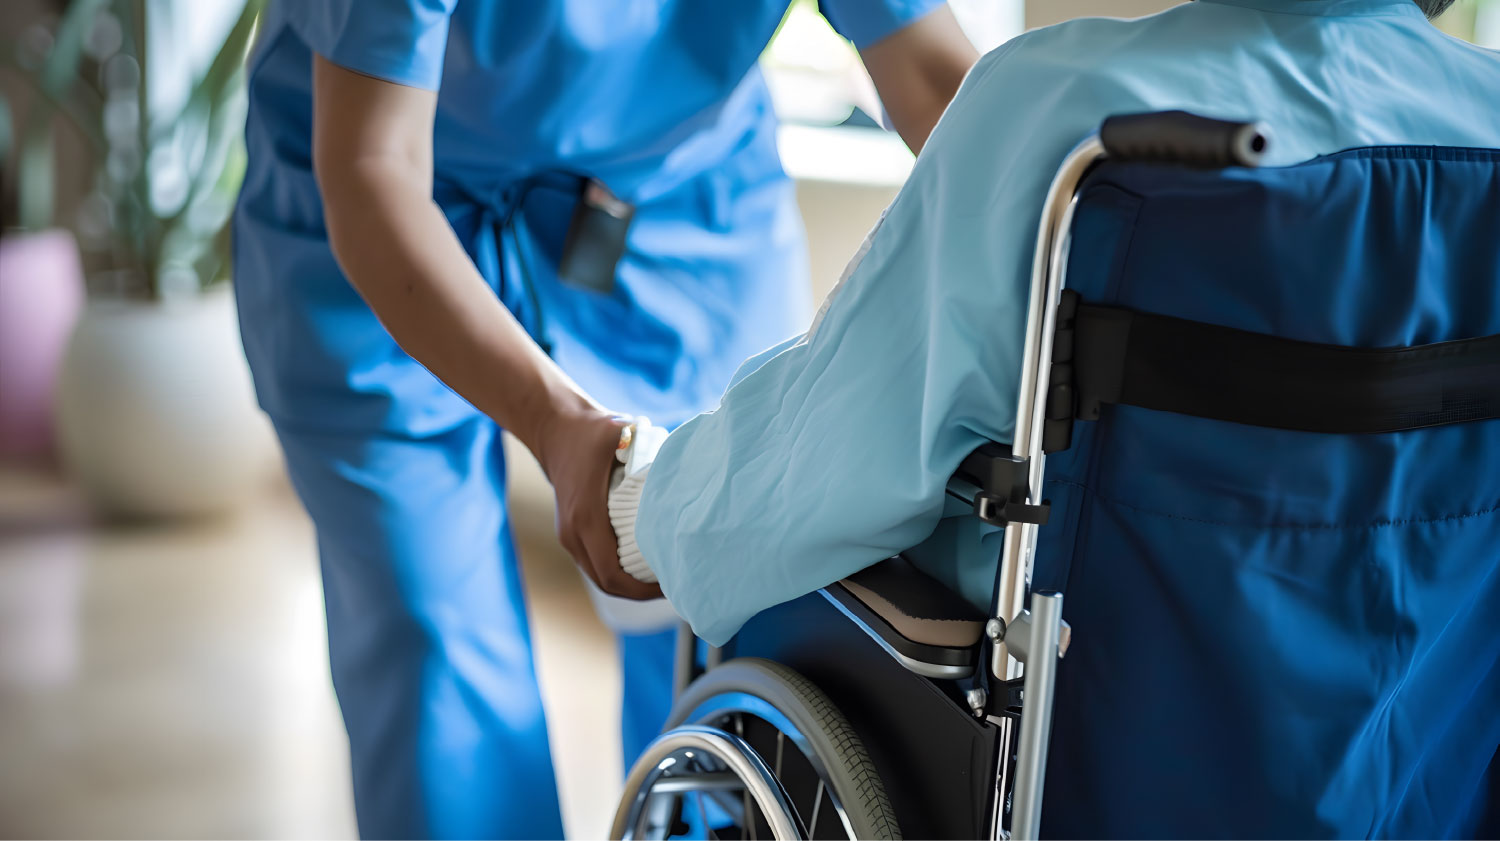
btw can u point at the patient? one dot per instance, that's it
(831, 452)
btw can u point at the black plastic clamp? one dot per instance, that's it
(1062, 398)
(1003, 482)
(1012, 697)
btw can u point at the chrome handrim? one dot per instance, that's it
(783, 745)
(705, 764)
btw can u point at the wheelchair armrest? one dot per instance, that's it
(930, 629)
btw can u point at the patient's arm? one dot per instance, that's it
(833, 453)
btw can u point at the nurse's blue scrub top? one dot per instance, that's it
(660, 99)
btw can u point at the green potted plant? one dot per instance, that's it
(156, 415)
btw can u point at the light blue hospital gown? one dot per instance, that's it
(831, 452)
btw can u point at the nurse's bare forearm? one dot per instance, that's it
(917, 70)
(396, 247)
(373, 158)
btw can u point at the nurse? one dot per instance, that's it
(411, 281)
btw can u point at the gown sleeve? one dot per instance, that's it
(833, 453)
(401, 41)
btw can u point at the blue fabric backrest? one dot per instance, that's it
(1277, 633)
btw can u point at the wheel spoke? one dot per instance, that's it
(734, 714)
(731, 805)
(703, 816)
(749, 816)
(656, 815)
(812, 828)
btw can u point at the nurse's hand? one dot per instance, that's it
(577, 451)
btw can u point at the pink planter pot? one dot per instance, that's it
(41, 294)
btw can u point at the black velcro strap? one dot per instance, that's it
(1208, 371)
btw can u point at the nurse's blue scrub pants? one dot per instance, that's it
(428, 635)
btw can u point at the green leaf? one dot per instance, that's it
(218, 99)
(61, 67)
(224, 73)
(36, 183)
(7, 131)
(80, 104)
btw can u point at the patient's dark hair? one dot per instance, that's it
(1433, 8)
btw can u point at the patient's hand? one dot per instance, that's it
(577, 454)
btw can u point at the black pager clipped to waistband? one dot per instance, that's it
(596, 239)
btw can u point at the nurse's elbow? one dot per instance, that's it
(346, 203)
(364, 202)
(338, 207)
(351, 190)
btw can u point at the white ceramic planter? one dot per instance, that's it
(156, 413)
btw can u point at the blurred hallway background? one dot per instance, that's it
(171, 681)
(163, 681)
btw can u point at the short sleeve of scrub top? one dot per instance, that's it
(401, 41)
(866, 21)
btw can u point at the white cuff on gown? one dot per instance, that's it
(625, 486)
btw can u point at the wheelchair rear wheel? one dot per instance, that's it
(754, 750)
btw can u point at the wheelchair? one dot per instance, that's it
(1271, 505)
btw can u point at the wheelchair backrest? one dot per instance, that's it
(1277, 632)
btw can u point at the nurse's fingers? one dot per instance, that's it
(604, 554)
(577, 455)
(568, 537)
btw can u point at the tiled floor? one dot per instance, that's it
(171, 682)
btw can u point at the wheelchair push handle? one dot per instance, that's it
(1179, 137)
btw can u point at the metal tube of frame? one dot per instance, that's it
(684, 659)
(1048, 270)
(1002, 779)
(1049, 264)
(1036, 715)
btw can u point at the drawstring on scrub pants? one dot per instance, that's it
(510, 227)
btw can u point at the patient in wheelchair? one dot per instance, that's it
(832, 451)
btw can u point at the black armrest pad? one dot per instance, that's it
(917, 605)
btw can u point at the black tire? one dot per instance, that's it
(849, 771)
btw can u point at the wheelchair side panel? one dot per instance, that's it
(935, 759)
(1277, 633)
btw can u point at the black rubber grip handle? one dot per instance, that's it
(1178, 137)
